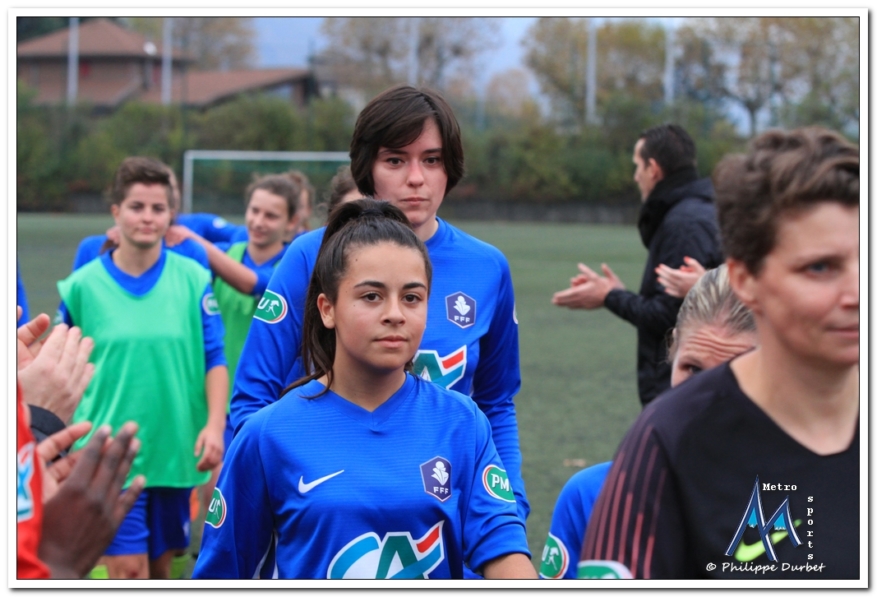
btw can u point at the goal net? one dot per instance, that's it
(214, 180)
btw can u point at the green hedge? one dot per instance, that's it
(526, 158)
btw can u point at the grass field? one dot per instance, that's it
(579, 385)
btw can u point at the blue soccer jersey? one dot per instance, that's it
(212, 227)
(322, 488)
(263, 271)
(570, 520)
(90, 246)
(470, 344)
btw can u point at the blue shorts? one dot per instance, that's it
(158, 522)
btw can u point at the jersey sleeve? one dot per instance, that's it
(270, 358)
(565, 535)
(657, 313)
(637, 521)
(21, 297)
(88, 249)
(239, 528)
(191, 249)
(263, 277)
(214, 331)
(570, 521)
(209, 226)
(498, 379)
(491, 525)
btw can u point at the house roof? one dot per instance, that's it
(97, 38)
(99, 93)
(206, 87)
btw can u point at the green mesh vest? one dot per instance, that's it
(149, 364)
(237, 311)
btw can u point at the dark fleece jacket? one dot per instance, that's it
(677, 220)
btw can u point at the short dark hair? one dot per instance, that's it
(143, 170)
(364, 222)
(277, 184)
(670, 146)
(784, 172)
(395, 118)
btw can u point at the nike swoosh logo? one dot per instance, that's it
(306, 487)
(747, 553)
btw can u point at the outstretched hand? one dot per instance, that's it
(53, 372)
(54, 473)
(81, 519)
(588, 289)
(677, 282)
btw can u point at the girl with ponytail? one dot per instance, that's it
(363, 470)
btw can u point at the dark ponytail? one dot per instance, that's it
(360, 223)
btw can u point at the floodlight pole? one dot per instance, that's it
(591, 81)
(73, 61)
(670, 43)
(166, 57)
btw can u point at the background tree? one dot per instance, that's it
(508, 92)
(822, 54)
(556, 53)
(373, 53)
(630, 60)
(214, 42)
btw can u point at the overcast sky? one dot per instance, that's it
(287, 41)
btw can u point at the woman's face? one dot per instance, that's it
(413, 178)
(380, 312)
(705, 346)
(805, 299)
(144, 215)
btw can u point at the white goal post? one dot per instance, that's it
(191, 155)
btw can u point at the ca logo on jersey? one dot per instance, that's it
(396, 556)
(436, 475)
(217, 509)
(444, 371)
(496, 482)
(272, 308)
(460, 309)
(24, 492)
(555, 559)
(209, 304)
